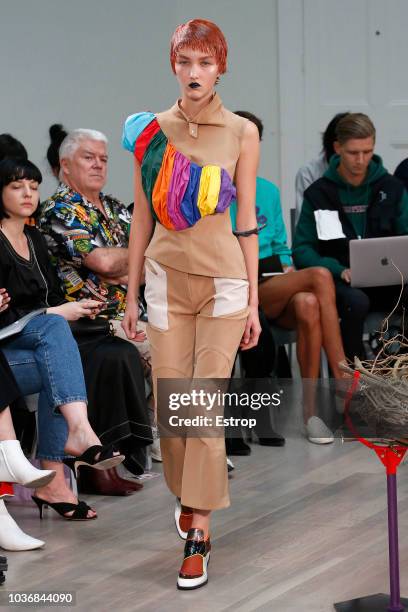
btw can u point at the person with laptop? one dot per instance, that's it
(295, 299)
(355, 199)
(316, 167)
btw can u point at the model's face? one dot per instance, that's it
(87, 169)
(20, 198)
(355, 155)
(196, 72)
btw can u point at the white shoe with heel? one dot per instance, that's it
(15, 467)
(11, 536)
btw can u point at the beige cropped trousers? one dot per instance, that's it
(195, 326)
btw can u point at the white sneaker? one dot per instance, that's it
(11, 536)
(15, 467)
(230, 465)
(317, 431)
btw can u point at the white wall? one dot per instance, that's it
(338, 56)
(90, 63)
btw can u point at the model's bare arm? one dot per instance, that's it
(140, 234)
(245, 179)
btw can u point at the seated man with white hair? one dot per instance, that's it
(87, 226)
(87, 233)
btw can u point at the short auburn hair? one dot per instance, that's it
(200, 35)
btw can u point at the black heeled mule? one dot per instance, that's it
(80, 510)
(106, 460)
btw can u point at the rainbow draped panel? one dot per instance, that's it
(180, 192)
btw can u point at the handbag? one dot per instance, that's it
(86, 327)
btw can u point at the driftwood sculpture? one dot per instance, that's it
(383, 391)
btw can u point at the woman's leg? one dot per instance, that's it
(49, 340)
(303, 314)
(52, 428)
(26, 375)
(219, 328)
(172, 357)
(58, 490)
(6, 425)
(274, 296)
(353, 306)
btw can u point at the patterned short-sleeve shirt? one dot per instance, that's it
(73, 227)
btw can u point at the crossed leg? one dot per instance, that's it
(305, 300)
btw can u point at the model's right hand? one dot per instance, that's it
(4, 299)
(72, 311)
(129, 323)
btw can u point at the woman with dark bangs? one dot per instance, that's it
(201, 281)
(44, 356)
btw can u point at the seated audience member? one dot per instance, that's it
(401, 172)
(87, 234)
(88, 231)
(313, 170)
(303, 300)
(356, 198)
(109, 364)
(11, 147)
(44, 356)
(257, 363)
(14, 467)
(106, 233)
(57, 136)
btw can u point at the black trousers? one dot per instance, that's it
(353, 306)
(9, 391)
(259, 362)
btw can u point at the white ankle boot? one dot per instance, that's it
(15, 467)
(11, 536)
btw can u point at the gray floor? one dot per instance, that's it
(307, 527)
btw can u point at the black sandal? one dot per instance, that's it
(80, 510)
(106, 460)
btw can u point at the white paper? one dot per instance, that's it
(328, 225)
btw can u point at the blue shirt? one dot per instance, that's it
(272, 239)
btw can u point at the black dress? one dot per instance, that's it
(117, 407)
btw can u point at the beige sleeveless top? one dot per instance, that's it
(210, 142)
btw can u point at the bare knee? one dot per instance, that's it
(307, 308)
(322, 280)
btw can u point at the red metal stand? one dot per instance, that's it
(390, 457)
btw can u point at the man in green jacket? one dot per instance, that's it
(303, 300)
(356, 198)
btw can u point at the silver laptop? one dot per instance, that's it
(372, 259)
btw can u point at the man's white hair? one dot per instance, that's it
(72, 141)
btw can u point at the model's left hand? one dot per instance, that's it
(252, 330)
